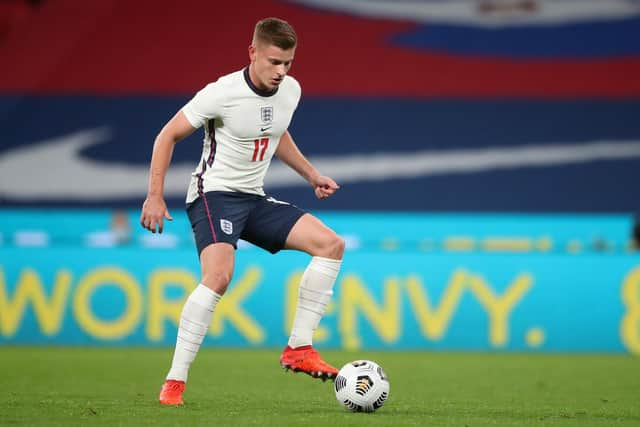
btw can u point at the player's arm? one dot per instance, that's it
(288, 152)
(154, 209)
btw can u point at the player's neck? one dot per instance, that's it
(254, 83)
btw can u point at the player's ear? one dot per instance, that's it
(252, 52)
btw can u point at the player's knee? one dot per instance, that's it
(333, 246)
(218, 281)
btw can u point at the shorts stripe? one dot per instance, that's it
(206, 205)
(213, 231)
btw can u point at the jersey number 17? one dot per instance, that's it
(257, 145)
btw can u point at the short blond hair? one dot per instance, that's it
(275, 31)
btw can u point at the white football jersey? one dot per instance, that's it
(242, 126)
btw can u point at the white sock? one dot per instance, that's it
(194, 322)
(314, 293)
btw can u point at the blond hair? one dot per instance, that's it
(275, 31)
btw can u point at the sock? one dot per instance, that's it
(194, 322)
(314, 293)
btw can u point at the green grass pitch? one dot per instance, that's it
(119, 386)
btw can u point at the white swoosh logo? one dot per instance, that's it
(498, 13)
(54, 169)
(382, 166)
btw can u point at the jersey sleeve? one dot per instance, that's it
(206, 104)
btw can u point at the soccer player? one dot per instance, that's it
(245, 116)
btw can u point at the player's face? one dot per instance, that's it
(269, 65)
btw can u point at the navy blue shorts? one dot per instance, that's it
(226, 216)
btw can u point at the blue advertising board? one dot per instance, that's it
(382, 300)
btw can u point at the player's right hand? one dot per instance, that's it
(154, 211)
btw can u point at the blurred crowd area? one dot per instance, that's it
(368, 232)
(13, 12)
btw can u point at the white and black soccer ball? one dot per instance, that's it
(362, 386)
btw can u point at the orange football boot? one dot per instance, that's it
(306, 359)
(171, 393)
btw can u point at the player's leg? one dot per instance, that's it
(216, 262)
(310, 235)
(217, 268)
(274, 225)
(217, 221)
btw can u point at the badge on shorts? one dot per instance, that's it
(266, 114)
(226, 226)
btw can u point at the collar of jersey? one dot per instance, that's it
(255, 88)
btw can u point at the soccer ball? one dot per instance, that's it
(362, 386)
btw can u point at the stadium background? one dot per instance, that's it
(488, 154)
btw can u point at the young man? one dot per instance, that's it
(245, 116)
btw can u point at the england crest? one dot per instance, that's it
(266, 114)
(226, 226)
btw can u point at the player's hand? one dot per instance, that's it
(154, 211)
(323, 187)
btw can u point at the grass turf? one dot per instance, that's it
(119, 386)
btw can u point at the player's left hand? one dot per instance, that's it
(323, 186)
